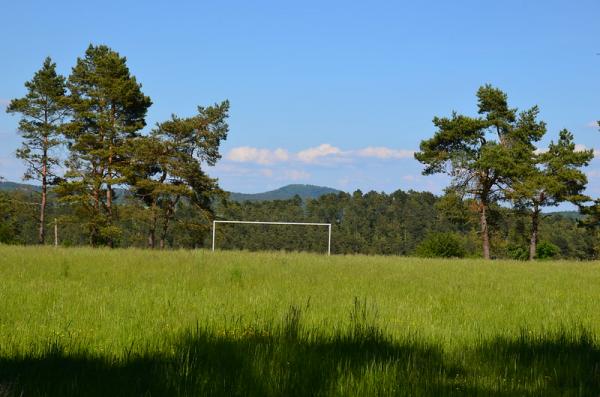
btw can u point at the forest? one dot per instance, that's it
(365, 223)
(104, 181)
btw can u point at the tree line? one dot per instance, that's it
(110, 184)
(370, 223)
(97, 114)
(399, 223)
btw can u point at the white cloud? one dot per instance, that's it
(592, 124)
(382, 152)
(314, 154)
(251, 173)
(324, 153)
(247, 154)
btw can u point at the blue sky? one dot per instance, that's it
(329, 93)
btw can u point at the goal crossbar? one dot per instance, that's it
(214, 229)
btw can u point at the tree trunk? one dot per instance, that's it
(169, 213)
(152, 239)
(535, 215)
(42, 229)
(152, 230)
(154, 221)
(485, 237)
(109, 194)
(109, 202)
(96, 211)
(165, 228)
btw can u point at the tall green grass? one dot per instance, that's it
(132, 322)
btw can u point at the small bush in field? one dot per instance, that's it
(517, 252)
(547, 250)
(441, 245)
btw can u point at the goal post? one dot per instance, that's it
(214, 229)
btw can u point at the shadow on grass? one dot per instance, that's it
(565, 363)
(292, 361)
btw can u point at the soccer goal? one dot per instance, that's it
(214, 229)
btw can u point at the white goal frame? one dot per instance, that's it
(276, 223)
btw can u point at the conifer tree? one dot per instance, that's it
(483, 155)
(43, 110)
(167, 166)
(555, 176)
(109, 109)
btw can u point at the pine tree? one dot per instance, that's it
(555, 176)
(43, 110)
(483, 155)
(167, 166)
(109, 109)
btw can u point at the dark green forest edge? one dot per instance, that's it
(119, 187)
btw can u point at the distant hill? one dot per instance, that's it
(23, 187)
(285, 193)
(575, 215)
(27, 188)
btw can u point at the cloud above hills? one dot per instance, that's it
(322, 154)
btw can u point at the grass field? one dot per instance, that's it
(132, 322)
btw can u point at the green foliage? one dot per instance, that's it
(108, 109)
(441, 245)
(43, 110)
(453, 210)
(110, 232)
(563, 163)
(7, 226)
(553, 177)
(591, 215)
(547, 250)
(517, 252)
(483, 155)
(18, 218)
(372, 223)
(166, 168)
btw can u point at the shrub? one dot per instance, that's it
(6, 234)
(547, 250)
(517, 252)
(441, 245)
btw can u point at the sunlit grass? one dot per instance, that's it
(100, 322)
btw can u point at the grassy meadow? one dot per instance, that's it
(103, 322)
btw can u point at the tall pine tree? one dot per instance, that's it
(485, 154)
(555, 176)
(43, 110)
(109, 109)
(167, 167)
